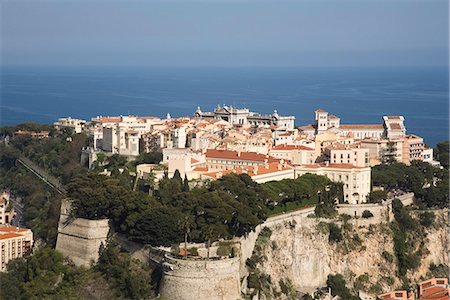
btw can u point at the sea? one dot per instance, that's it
(356, 95)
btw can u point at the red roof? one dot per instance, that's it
(339, 166)
(235, 155)
(9, 236)
(292, 147)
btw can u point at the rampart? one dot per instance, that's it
(80, 239)
(191, 279)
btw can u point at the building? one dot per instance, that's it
(392, 127)
(348, 154)
(297, 155)
(227, 160)
(397, 295)
(273, 171)
(121, 135)
(77, 125)
(6, 209)
(14, 242)
(436, 289)
(244, 116)
(356, 180)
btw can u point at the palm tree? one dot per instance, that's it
(185, 224)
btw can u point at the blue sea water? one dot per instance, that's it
(357, 95)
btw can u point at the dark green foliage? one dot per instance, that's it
(158, 226)
(149, 158)
(328, 198)
(441, 152)
(377, 196)
(335, 233)
(129, 280)
(367, 214)
(413, 178)
(403, 230)
(41, 276)
(387, 256)
(339, 288)
(427, 219)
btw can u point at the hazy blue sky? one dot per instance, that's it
(276, 33)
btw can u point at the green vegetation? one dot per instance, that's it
(441, 153)
(339, 288)
(406, 232)
(367, 214)
(328, 198)
(377, 196)
(335, 235)
(414, 178)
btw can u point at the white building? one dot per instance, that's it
(245, 116)
(76, 124)
(14, 243)
(356, 180)
(297, 155)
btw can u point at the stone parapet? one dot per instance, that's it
(190, 279)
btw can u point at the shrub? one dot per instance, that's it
(427, 219)
(224, 250)
(335, 233)
(387, 256)
(367, 214)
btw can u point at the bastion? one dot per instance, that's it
(191, 279)
(80, 239)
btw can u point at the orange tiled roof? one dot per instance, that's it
(234, 155)
(9, 236)
(338, 166)
(107, 119)
(260, 170)
(395, 126)
(292, 147)
(12, 229)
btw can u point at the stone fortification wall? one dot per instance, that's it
(382, 212)
(80, 239)
(200, 279)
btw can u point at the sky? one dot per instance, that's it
(225, 33)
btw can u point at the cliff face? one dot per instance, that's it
(299, 250)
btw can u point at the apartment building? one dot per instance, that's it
(14, 243)
(432, 289)
(77, 125)
(227, 160)
(356, 180)
(348, 154)
(297, 155)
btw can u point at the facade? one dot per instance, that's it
(227, 160)
(6, 209)
(397, 295)
(356, 180)
(76, 124)
(348, 154)
(297, 155)
(436, 289)
(14, 243)
(244, 116)
(273, 171)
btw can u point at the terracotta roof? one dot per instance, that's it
(331, 166)
(193, 161)
(132, 132)
(306, 127)
(332, 117)
(361, 126)
(394, 117)
(9, 236)
(291, 147)
(250, 171)
(319, 110)
(12, 229)
(435, 292)
(235, 155)
(200, 169)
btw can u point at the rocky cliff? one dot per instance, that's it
(298, 252)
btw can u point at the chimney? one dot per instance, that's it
(279, 166)
(327, 163)
(255, 170)
(239, 154)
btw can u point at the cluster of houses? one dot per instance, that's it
(266, 147)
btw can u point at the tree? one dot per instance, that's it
(185, 225)
(442, 153)
(338, 287)
(377, 196)
(185, 187)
